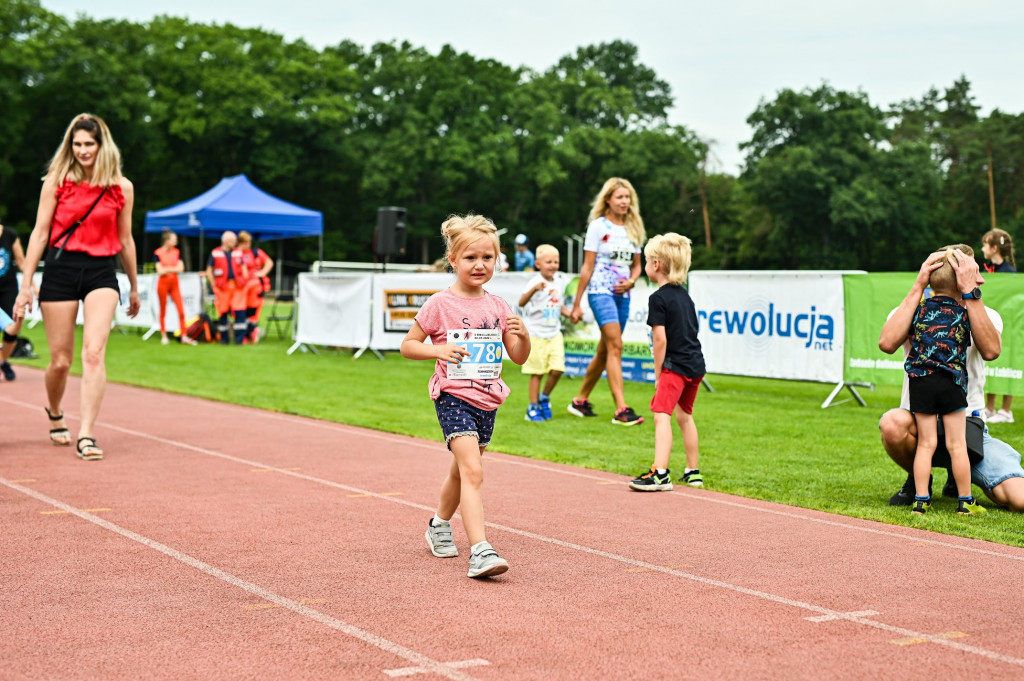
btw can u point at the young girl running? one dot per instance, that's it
(467, 326)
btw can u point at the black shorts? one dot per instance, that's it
(76, 278)
(936, 393)
(7, 297)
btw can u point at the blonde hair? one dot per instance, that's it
(545, 249)
(244, 238)
(459, 231)
(1000, 240)
(634, 223)
(107, 169)
(944, 278)
(166, 236)
(673, 252)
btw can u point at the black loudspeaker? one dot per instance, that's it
(389, 237)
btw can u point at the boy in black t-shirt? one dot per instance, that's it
(678, 361)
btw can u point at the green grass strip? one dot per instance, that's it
(759, 438)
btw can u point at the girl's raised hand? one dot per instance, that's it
(516, 326)
(451, 353)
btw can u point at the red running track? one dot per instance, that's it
(186, 554)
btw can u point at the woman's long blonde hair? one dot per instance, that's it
(64, 165)
(634, 223)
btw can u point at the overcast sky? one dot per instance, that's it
(720, 58)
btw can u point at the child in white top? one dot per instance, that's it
(543, 306)
(467, 326)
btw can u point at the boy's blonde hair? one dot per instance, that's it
(673, 252)
(944, 278)
(634, 223)
(107, 169)
(459, 231)
(244, 238)
(544, 249)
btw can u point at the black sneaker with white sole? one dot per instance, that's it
(905, 497)
(627, 417)
(651, 481)
(583, 408)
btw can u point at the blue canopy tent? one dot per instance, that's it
(234, 204)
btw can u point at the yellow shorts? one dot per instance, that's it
(546, 354)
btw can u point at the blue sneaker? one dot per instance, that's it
(545, 409)
(534, 413)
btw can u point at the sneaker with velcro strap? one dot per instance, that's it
(970, 507)
(693, 478)
(440, 540)
(545, 409)
(652, 481)
(485, 562)
(534, 414)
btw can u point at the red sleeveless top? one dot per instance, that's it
(168, 257)
(97, 236)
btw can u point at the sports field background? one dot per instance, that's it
(760, 438)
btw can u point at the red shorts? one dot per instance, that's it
(674, 389)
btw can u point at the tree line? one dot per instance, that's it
(830, 180)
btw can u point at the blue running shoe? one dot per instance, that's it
(545, 409)
(534, 413)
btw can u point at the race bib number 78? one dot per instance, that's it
(484, 347)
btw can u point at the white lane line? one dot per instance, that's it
(818, 610)
(508, 459)
(834, 614)
(409, 671)
(420, 660)
(829, 618)
(689, 495)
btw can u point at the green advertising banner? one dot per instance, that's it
(869, 298)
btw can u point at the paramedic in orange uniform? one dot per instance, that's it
(228, 276)
(168, 265)
(259, 264)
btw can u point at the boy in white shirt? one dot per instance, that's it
(543, 307)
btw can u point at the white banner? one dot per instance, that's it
(334, 309)
(771, 324)
(397, 297)
(149, 311)
(190, 284)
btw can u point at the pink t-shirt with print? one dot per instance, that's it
(445, 311)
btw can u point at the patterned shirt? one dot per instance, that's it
(615, 253)
(941, 336)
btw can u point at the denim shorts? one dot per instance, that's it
(458, 417)
(609, 309)
(1001, 463)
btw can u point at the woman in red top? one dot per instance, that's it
(83, 181)
(168, 265)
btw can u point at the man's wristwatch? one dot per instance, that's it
(972, 295)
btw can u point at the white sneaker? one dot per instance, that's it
(1006, 416)
(997, 417)
(988, 414)
(439, 539)
(486, 562)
